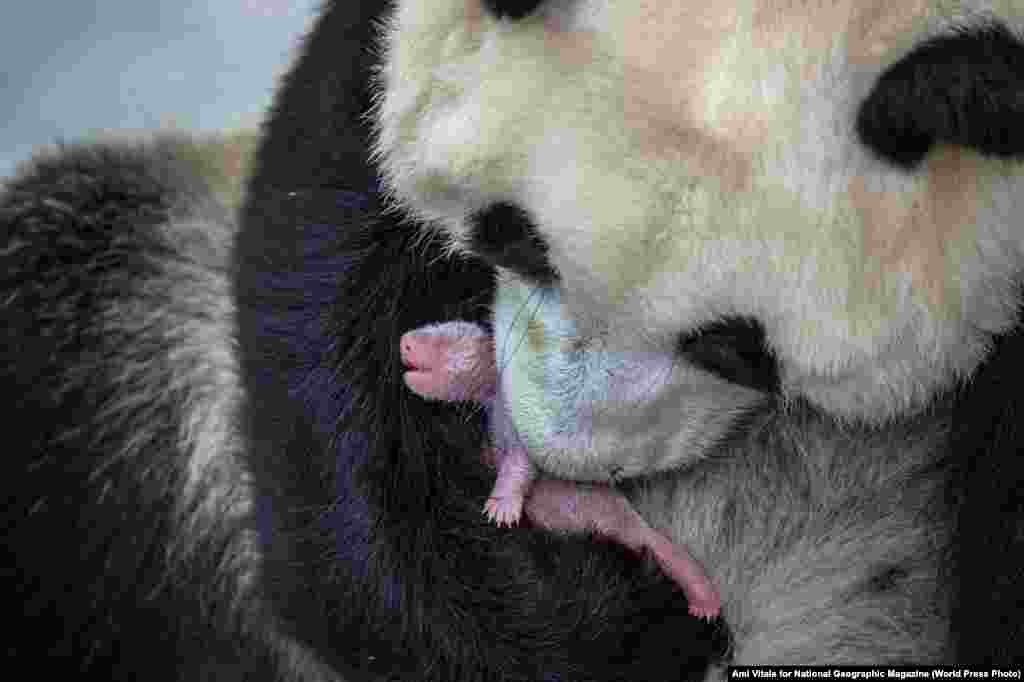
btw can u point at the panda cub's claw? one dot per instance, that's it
(504, 511)
(707, 613)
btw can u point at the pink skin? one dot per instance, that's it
(455, 361)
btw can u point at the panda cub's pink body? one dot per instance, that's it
(455, 361)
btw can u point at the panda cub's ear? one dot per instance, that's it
(966, 88)
(513, 9)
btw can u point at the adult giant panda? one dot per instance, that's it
(213, 470)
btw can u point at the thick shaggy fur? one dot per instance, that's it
(213, 471)
(124, 488)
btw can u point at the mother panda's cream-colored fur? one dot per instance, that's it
(677, 164)
(685, 163)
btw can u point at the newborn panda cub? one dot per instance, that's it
(455, 361)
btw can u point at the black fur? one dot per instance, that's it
(735, 350)
(513, 9)
(988, 491)
(109, 580)
(505, 236)
(966, 89)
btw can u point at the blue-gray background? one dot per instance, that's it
(70, 68)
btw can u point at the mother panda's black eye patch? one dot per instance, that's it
(735, 350)
(966, 88)
(504, 235)
(513, 9)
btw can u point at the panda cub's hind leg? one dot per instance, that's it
(578, 507)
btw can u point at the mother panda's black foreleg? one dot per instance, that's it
(987, 488)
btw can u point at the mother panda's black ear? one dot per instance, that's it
(966, 88)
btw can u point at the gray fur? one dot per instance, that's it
(828, 541)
